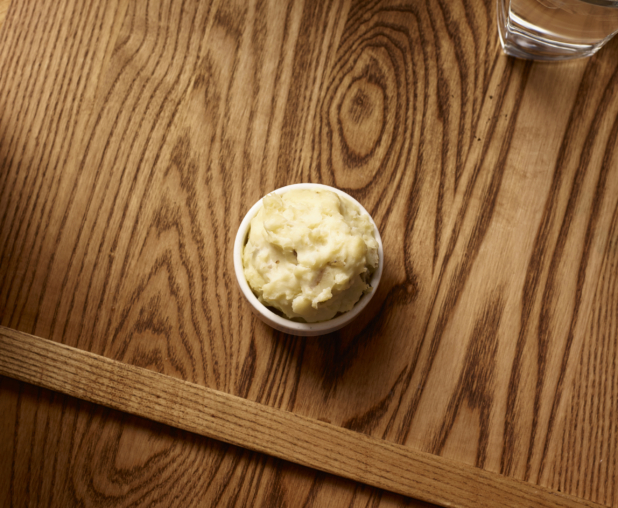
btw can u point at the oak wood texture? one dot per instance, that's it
(273, 431)
(589, 432)
(4, 8)
(135, 135)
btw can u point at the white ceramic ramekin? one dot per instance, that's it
(286, 325)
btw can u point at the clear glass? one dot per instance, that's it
(556, 29)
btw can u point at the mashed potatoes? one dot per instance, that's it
(310, 254)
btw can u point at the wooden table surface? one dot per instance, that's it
(134, 136)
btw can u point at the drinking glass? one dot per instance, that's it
(556, 29)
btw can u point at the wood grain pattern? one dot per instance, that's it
(135, 135)
(247, 424)
(589, 433)
(4, 8)
(137, 462)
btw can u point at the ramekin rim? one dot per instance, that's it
(321, 327)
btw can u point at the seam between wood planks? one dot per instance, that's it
(275, 432)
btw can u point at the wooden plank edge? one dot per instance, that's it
(275, 432)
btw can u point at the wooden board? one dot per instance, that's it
(285, 435)
(133, 138)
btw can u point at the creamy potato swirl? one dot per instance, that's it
(310, 254)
